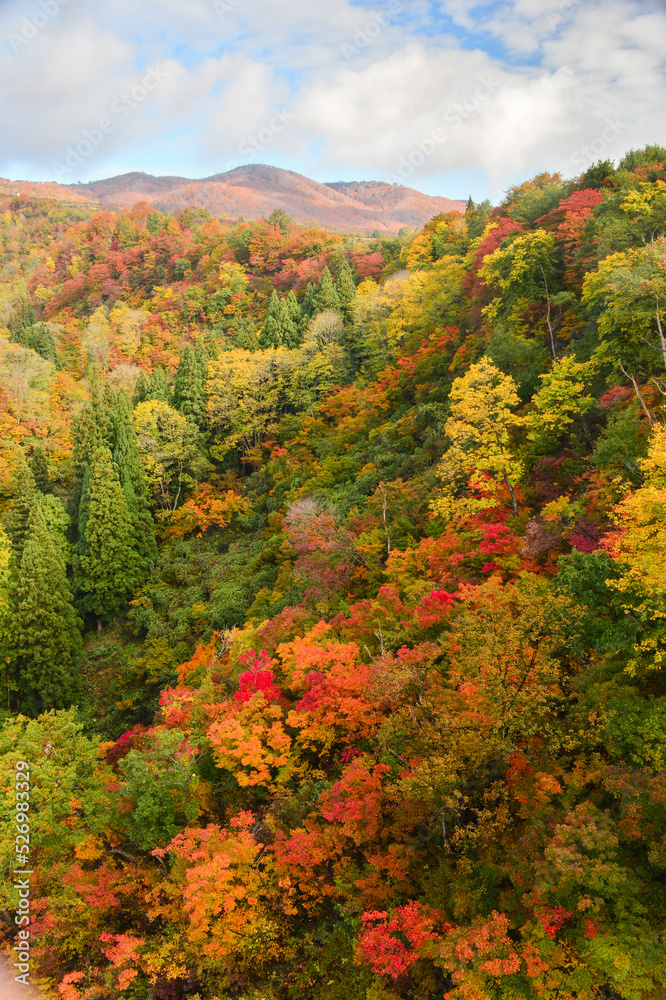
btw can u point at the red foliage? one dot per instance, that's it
(434, 608)
(355, 801)
(257, 678)
(553, 919)
(392, 946)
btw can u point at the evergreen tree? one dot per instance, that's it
(307, 306)
(40, 471)
(289, 331)
(18, 518)
(38, 338)
(106, 567)
(245, 334)
(270, 333)
(189, 388)
(87, 435)
(346, 290)
(127, 459)
(282, 324)
(295, 311)
(326, 296)
(22, 318)
(45, 640)
(140, 388)
(158, 387)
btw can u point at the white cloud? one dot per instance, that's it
(364, 86)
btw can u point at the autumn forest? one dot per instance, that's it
(333, 598)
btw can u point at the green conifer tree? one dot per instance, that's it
(22, 319)
(87, 435)
(245, 334)
(289, 331)
(40, 471)
(45, 640)
(346, 289)
(140, 388)
(127, 459)
(18, 517)
(189, 387)
(106, 565)
(270, 333)
(307, 306)
(326, 296)
(158, 387)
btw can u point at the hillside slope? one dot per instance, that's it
(253, 191)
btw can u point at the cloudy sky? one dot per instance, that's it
(447, 96)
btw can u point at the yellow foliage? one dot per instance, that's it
(640, 547)
(480, 455)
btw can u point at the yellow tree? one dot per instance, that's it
(561, 398)
(480, 455)
(169, 450)
(246, 392)
(640, 548)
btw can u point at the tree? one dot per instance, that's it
(281, 327)
(640, 548)
(39, 467)
(106, 570)
(480, 453)
(246, 393)
(189, 395)
(280, 218)
(524, 272)
(628, 292)
(172, 461)
(22, 318)
(39, 338)
(132, 479)
(346, 290)
(45, 642)
(26, 378)
(96, 339)
(560, 400)
(17, 519)
(90, 430)
(326, 296)
(159, 387)
(140, 388)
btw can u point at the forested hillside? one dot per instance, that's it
(253, 190)
(333, 598)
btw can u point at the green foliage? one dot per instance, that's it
(524, 360)
(45, 642)
(621, 446)
(106, 567)
(158, 783)
(38, 338)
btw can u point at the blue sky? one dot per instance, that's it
(445, 96)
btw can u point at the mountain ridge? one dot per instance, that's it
(255, 190)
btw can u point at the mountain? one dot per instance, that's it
(255, 190)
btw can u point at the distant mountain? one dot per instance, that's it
(254, 190)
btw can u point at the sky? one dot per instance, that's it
(447, 96)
